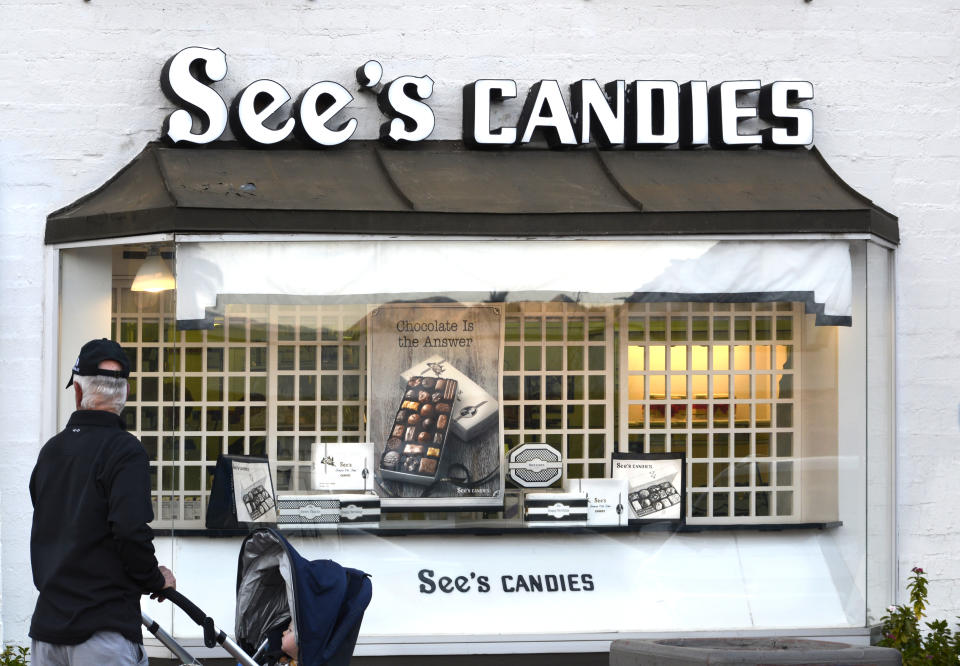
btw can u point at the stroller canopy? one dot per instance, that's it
(325, 601)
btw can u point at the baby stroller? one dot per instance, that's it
(276, 586)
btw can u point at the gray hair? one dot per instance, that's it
(101, 392)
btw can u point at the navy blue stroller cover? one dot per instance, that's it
(325, 601)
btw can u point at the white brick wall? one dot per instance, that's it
(79, 98)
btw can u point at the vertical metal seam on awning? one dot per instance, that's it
(390, 179)
(616, 182)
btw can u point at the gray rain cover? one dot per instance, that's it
(265, 596)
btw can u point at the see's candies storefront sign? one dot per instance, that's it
(641, 114)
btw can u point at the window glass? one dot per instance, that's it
(748, 392)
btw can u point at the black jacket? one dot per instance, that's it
(90, 546)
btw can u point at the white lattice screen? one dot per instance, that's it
(717, 381)
(265, 381)
(558, 382)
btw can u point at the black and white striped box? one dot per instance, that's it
(555, 509)
(359, 510)
(308, 511)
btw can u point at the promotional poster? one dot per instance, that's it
(655, 485)
(434, 407)
(253, 492)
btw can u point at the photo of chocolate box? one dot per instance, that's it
(653, 497)
(257, 499)
(473, 411)
(416, 442)
(656, 485)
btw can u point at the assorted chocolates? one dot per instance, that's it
(419, 432)
(653, 498)
(474, 410)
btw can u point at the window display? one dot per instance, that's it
(435, 391)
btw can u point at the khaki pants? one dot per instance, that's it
(104, 647)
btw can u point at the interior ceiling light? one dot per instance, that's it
(154, 274)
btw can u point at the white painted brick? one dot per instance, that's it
(80, 99)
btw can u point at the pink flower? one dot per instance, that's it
(917, 570)
(891, 636)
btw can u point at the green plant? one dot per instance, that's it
(14, 655)
(901, 629)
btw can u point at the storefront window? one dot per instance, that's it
(776, 401)
(752, 390)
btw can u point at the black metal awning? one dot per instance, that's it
(443, 188)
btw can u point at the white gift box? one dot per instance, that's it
(342, 466)
(474, 410)
(606, 499)
(555, 509)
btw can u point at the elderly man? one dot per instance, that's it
(91, 548)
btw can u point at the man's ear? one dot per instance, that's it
(78, 393)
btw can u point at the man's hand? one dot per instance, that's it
(168, 578)
(169, 581)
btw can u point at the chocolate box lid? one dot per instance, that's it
(474, 408)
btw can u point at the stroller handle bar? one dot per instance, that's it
(191, 609)
(211, 635)
(168, 641)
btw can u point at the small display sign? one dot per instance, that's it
(606, 500)
(656, 485)
(341, 466)
(535, 465)
(241, 493)
(253, 492)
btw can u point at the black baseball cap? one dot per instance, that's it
(94, 353)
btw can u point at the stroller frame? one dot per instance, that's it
(211, 635)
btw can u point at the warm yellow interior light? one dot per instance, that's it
(154, 275)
